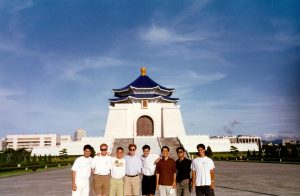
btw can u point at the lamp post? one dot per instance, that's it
(263, 152)
(278, 150)
(298, 150)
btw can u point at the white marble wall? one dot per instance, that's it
(122, 119)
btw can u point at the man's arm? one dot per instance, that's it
(157, 180)
(193, 179)
(157, 160)
(140, 166)
(174, 181)
(174, 174)
(213, 178)
(74, 187)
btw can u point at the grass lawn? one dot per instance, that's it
(21, 172)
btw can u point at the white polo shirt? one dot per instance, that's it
(148, 164)
(117, 167)
(202, 166)
(83, 167)
(102, 165)
(133, 165)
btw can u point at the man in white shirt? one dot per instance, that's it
(118, 165)
(81, 171)
(149, 162)
(101, 170)
(132, 182)
(203, 173)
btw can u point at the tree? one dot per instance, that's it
(63, 154)
(34, 158)
(49, 158)
(28, 158)
(254, 153)
(21, 155)
(234, 150)
(10, 155)
(45, 158)
(248, 154)
(208, 152)
(1, 157)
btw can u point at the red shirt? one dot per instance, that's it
(166, 170)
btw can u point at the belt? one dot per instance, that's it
(132, 175)
(149, 175)
(101, 175)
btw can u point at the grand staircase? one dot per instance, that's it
(172, 143)
(154, 143)
(121, 142)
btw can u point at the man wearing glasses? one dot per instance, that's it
(183, 167)
(101, 170)
(203, 173)
(132, 170)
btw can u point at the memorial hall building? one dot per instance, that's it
(145, 112)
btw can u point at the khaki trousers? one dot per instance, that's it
(132, 185)
(116, 187)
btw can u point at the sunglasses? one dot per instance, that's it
(103, 149)
(132, 149)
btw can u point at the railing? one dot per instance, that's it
(186, 151)
(159, 142)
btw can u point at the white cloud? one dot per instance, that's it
(285, 134)
(24, 115)
(160, 35)
(191, 78)
(71, 69)
(5, 92)
(204, 78)
(12, 41)
(185, 81)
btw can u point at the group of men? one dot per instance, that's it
(120, 175)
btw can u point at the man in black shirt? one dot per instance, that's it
(183, 167)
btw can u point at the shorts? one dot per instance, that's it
(148, 185)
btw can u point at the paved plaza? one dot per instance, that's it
(233, 178)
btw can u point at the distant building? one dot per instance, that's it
(64, 139)
(29, 141)
(248, 139)
(2, 146)
(232, 139)
(289, 141)
(79, 133)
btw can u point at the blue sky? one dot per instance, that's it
(234, 64)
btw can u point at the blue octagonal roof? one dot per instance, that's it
(143, 81)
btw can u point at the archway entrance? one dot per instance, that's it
(144, 126)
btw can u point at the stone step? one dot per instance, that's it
(121, 142)
(173, 143)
